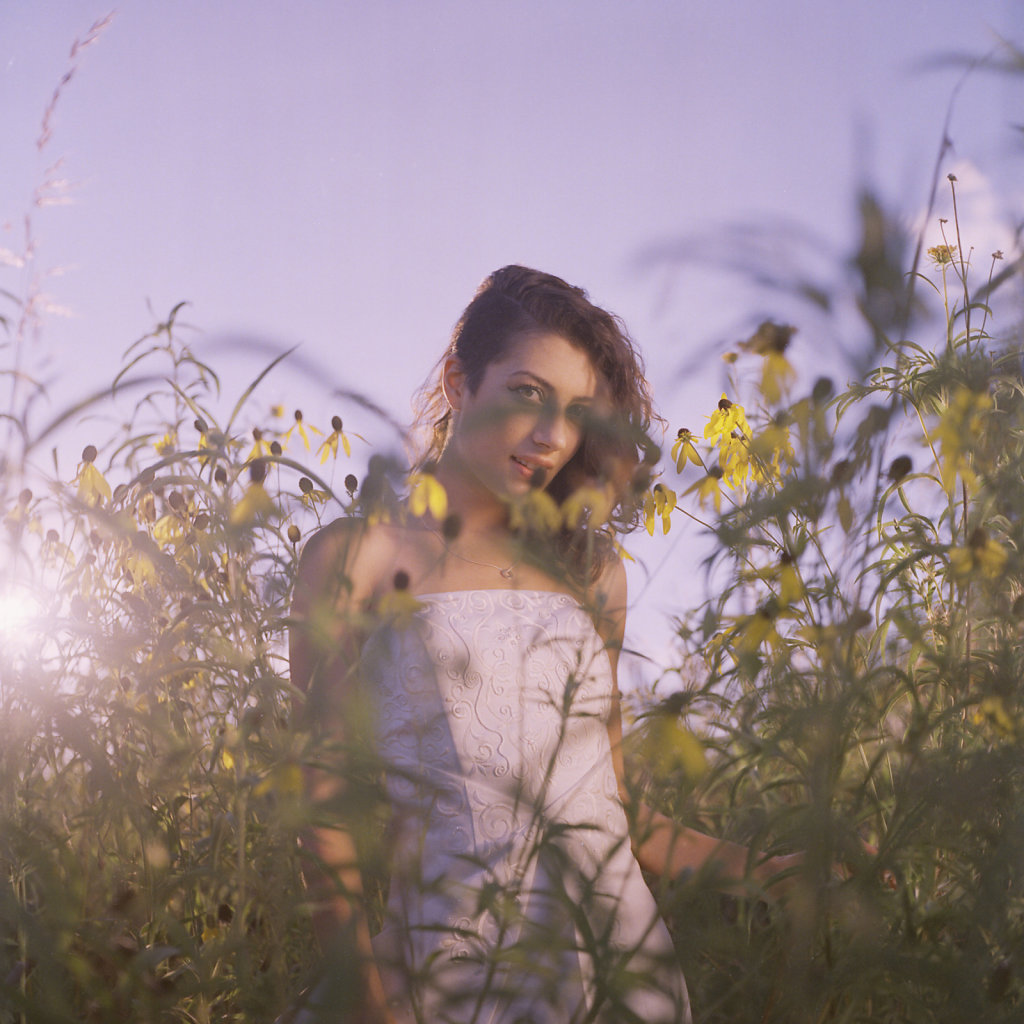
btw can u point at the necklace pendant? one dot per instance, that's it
(507, 573)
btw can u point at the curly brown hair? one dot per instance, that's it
(616, 448)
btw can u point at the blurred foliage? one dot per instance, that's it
(150, 778)
(855, 680)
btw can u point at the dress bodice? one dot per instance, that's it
(491, 717)
(504, 694)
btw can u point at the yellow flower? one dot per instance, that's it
(93, 489)
(683, 450)
(709, 487)
(167, 444)
(791, 588)
(260, 447)
(19, 514)
(622, 552)
(777, 374)
(303, 428)
(963, 420)
(659, 502)
(284, 780)
(427, 493)
(330, 445)
(725, 419)
(992, 711)
(734, 460)
(942, 255)
(590, 505)
(139, 561)
(824, 639)
(537, 511)
(255, 504)
(311, 496)
(398, 606)
(982, 553)
(772, 451)
(754, 630)
(168, 530)
(669, 746)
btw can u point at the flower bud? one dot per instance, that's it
(822, 390)
(900, 467)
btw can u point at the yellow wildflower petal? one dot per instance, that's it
(709, 487)
(669, 746)
(537, 511)
(427, 493)
(776, 376)
(664, 505)
(92, 487)
(992, 710)
(683, 450)
(991, 558)
(167, 530)
(255, 504)
(399, 607)
(328, 448)
(734, 460)
(167, 443)
(755, 630)
(285, 780)
(650, 512)
(588, 504)
(718, 421)
(141, 568)
(791, 589)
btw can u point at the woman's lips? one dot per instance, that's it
(534, 471)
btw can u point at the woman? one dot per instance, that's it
(485, 645)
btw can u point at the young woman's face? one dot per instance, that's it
(525, 420)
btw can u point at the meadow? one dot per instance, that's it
(852, 688)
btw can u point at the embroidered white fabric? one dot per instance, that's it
(514, 893)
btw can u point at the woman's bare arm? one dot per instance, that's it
(334, 582)
(662, 846)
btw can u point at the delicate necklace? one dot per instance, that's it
(505, 572)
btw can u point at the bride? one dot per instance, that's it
(483, 637)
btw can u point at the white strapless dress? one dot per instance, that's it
(514, 893)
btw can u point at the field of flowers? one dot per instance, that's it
(853, 689)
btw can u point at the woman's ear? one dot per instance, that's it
(453, 382)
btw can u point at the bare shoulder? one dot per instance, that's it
(350, 558)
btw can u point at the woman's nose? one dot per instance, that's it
(552, 430)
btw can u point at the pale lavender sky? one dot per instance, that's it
(342, 175)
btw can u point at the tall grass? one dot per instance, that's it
(854, 686)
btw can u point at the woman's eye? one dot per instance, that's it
(529, 392)
(577, 413)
